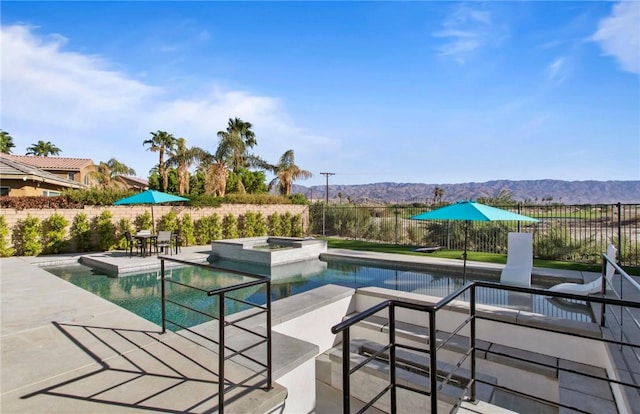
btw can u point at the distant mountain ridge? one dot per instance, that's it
(565, 192)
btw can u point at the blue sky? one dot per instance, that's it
(416, 92)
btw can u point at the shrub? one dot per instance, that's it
(216, 227)
(386, 230)
(205, 200)
(124, 225)
(187, 231)
(344, 221)
(229, 227)
(96, 196)
(259, 199)
(298, 198)
(27, 236)
(143, 221)
(169, 222)
(275, 225)
(261, 228)
(106, 231)
(555, 244)
(5, 248)
(208, 229)
(286, 224)
(55, 234)
(81, 232)
(247, 224)
(296, 226)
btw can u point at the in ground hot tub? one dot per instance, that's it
(269, 251)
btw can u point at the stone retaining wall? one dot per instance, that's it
(12, 216)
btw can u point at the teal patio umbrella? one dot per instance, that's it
(150, 197)
(470, 211)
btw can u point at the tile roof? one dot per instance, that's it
(52, 163)
(137, 180)
(12, 169)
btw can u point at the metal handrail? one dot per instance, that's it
(431, 309)
(222, 323)
(630, 316)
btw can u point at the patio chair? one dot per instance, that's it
(519, 260)
(593, 287)
(177, 240)
(132, 243)
(163, 242)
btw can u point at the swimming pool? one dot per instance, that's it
(140, 292)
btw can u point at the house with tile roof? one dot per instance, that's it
(21, 179)
(72, 169)
(134, 183)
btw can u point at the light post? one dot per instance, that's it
(326, 202)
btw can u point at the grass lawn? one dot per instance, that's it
(457, 254)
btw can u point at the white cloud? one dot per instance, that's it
(464, 31)
(619, 35)
(556, 70)
(41, 81)
(91, 111)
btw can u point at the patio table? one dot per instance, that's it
(146, 240)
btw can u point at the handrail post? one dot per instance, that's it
(472, 340)
(269, 342)
(619, 205)
(163, 305)
(433, 363)
(346, 380)
(392, 356)
(603, 274)
(221, 354)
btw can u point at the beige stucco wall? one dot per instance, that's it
(12, 216)
(29, 187)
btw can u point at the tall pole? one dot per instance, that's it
(327, 174)
(326, 200)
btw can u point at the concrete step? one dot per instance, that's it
(481, 407)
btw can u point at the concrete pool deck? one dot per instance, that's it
(64, 349)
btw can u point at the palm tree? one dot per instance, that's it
(107, 172)
(237, 139)
(437, 194)
(6, 142)
(161, 142)
(216, 172)
(181, 158)
(43, 149)
(287, 172)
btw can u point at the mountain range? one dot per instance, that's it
(538, 191)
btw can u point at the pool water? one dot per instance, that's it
(140, 292)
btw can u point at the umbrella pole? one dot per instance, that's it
(153, 221)
(464, 255)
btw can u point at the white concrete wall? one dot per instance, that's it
(301, 386)
(315, 326)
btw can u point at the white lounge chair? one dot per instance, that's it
(593, 287)
(519, 260)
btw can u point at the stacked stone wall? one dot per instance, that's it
(12, 216)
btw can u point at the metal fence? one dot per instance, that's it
(576, 233)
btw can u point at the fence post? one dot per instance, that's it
(396, 212)
(163, 305)
(619, 232)
(356, 233)
(323, 219)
